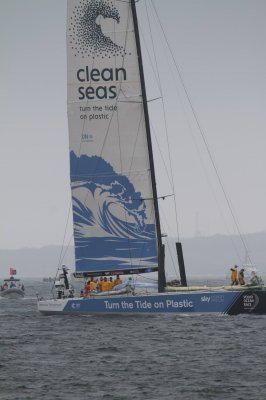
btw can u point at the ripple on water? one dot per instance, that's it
(155, 358)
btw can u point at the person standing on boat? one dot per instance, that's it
(105, 285)
(110, 283)
(241, 277)
(92, 284)
(234, 280)
(118, 281)
(87, 290)
(100, 284)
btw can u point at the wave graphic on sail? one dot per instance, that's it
(110, 220)
(86, 30)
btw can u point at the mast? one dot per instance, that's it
(161, 268)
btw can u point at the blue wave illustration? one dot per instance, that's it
(110, 221)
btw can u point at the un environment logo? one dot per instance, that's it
(85, 29)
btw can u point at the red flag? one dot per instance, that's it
(12, 271)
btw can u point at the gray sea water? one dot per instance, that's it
(128, 357)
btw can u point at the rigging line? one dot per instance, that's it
(153, 49)
(201, 131)
(61, 257)
(66, 249)
(147, 278)
(149, 56)
(119, 137)
(117, 120)
(121, 100)
(201, 160)
(59, 265)
(120, 82)
(120, 90)
(144, 244)
(132, 158)
(168, 243)
(67, 246)
(109, 174)
(134, 149)
(160, 152)
(155, 99)
(53, 285)
(150, 219)
(135, 101)
(121, 169)
(159, 197)
(136, 139)
(165, 123)
(204, 169)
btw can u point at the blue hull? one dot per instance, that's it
(221, 302)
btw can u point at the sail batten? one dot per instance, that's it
(110, 171)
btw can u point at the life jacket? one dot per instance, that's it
(105, 286)
(234, 275)
(118, 282)
(110, 285)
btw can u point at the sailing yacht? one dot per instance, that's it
(117, 229)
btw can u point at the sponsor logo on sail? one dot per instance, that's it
(88, 41)
(85, 29)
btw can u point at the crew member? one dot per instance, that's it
(105, 284)
(234, 280)
(117, 281)
(241, 277)
(100, 284)
(87, 290)
(92, 284)
(110, 283)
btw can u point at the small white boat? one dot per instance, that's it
(12, 288)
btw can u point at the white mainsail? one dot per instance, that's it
(113, 210)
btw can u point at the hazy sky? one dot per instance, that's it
(220, 49)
